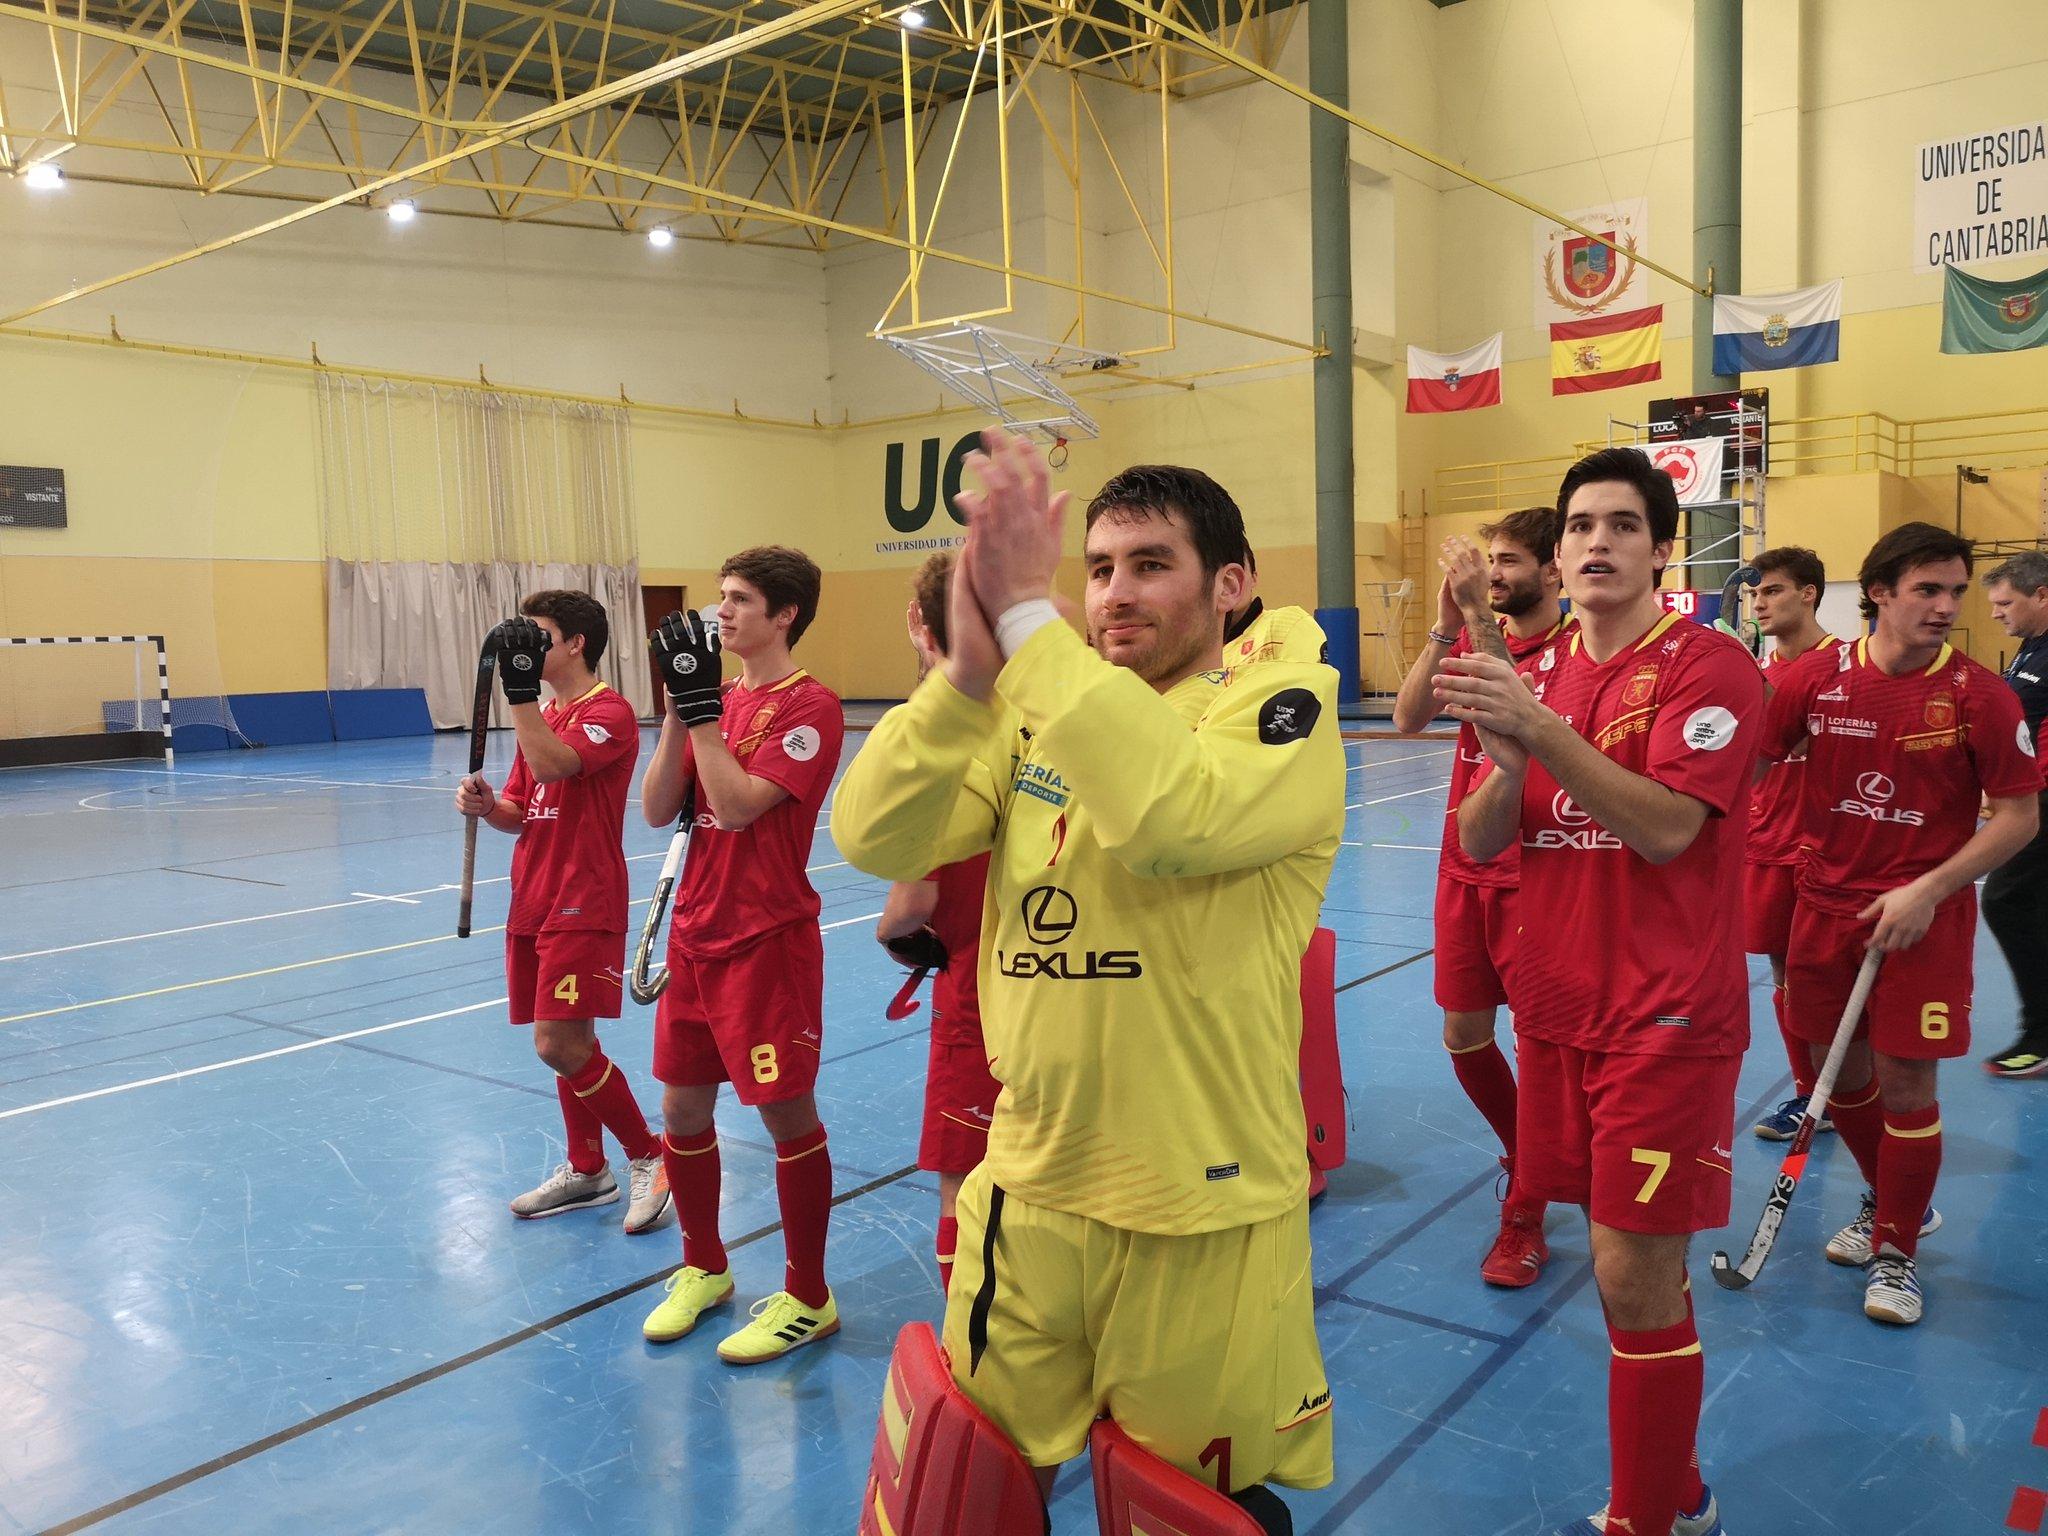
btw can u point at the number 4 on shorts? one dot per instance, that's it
(565, 991)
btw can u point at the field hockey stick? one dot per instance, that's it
(1737, 1277)
(1731, 598)
(479, 735)
(905, 1003)
(648, 980)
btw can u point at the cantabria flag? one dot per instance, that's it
(1982, 316)
(1454, 381)
(1607, 352)
(1777, 330)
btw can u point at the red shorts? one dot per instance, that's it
(1645, 1142)
(1768, 894)
(572, 973)
(959, 1102)
(755, 1019)
(1476, 928)
(1919, 1007)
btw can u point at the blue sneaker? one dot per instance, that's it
(1782, 1123)
(1706, 1521)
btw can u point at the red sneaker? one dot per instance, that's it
(1517, 1255)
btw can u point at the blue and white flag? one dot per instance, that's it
(1778, 330)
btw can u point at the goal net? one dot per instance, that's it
(82, 698)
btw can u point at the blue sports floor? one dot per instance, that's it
(260, 1115)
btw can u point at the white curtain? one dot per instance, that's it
(442, 509)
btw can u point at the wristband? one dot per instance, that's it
(1443, 639)
(1020, 621)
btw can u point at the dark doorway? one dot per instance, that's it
(657, 604)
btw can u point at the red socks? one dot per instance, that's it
(585, 1130)
(803, 1185)
(1654, 1384)
(1489, 1082)
(693, 1179)
(604, 1090)
(949, 1240)
(1859, 1119)
(1796, 1050)
(1908, 1164)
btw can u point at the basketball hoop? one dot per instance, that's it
(1015, 379)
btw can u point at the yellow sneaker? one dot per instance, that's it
(690, 1292)
(781, 1323)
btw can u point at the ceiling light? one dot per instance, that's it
(661, 237)
(911, 20)
(43, 176)
(404, 211)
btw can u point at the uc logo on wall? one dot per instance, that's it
(936, 483)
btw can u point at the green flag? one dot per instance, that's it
(1981, 316)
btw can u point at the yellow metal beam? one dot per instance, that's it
(533, 122)
(1219, 51)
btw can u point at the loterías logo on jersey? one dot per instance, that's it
(1050, 917)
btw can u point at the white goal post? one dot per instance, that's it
(163, 673)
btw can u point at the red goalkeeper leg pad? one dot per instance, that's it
(940, 1467)
(1136, 1493)
(1322, 1073)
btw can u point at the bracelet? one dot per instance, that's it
(1443, 639)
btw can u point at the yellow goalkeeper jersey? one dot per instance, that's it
(1158, 864)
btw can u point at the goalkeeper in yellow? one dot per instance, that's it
(1136, 1243)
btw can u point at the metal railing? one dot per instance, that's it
(1849, 443)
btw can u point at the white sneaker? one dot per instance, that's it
(1707, 1522)
(647, 1180)
(1892, 1294)
(567, 1190)
(1851, 1245)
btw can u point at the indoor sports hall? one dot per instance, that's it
(332, 332)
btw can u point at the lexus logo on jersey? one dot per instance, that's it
(1876, 787)
(1567, 811)
(1049, 914)
(801, 744)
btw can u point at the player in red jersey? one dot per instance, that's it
(565, 938)
(1621, 760)
(1790, 582)
(1905, 737)
(1476, 918)
(936, 922)
(745, 998)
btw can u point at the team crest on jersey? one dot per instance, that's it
(1940, 712)
(1640, 687)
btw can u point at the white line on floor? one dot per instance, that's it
(1384, 762)
(362, 898)
(1383, 799)
(192, 775)
(1411, 847)
(243, 1061)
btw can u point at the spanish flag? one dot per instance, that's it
(1607, 351)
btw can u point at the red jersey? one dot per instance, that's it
(569, 864)
(1454, 863)
(1895, 765)
(956, 994)
(1643, 959)
(1777, 830)
(738, 886)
